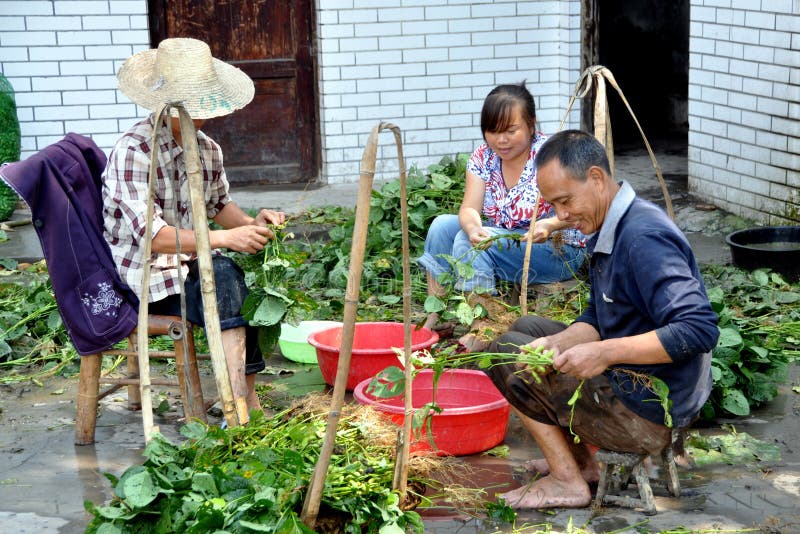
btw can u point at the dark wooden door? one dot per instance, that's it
(275, 139)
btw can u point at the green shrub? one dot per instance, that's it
(9, 143)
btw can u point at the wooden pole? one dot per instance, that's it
(145, 386)
(595, 76)
(234, 409)
(400, 479)
(526, 262)
(314, 494)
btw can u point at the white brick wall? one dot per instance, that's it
(744, 121)
(61, 57)
(425, 65)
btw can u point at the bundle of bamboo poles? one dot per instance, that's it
(314, 495)
(234, 409)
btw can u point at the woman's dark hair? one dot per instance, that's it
(575, 151)
(498, 108)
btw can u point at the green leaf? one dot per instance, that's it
(391, 528)
(734, 401)
(717, 298)
(434, 304)
(388, 383)
(269, 312)
(139, 489)
(464, 313)
(760, 277)
(729, 337)
(109, 528)
(441, 181)
(54, 320)
(204, 483)
(268, 338)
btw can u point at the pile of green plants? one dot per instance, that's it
(9, 144)
(314, 273)
(33, 340)
(759, 322)
(254, 479)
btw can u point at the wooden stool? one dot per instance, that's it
(185, 363)
(618, 469)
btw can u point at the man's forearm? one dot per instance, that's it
(575, 334)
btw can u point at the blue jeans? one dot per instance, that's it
(231, 292)
(502, 260)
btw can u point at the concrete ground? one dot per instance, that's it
(44, 478)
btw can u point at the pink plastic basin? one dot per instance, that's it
(372, 349)
(474, 415)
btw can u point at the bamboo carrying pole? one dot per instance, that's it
(595, 76)
(314, 495)
(141, 332)
(213, 331)
(234, 408)
(526, 262)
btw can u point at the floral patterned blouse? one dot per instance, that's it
(513, 208)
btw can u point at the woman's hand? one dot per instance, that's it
(266, 217)
(541, 229)
(477, 235)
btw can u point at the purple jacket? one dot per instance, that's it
(61, 185)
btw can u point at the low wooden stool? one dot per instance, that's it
(618, 469)
(188, 377)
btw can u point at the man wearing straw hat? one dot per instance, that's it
(183, 71)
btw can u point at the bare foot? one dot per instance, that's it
(431, 321)
(473, 343)
(590, 473)
(548, 492)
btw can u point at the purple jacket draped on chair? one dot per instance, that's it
(61, 185)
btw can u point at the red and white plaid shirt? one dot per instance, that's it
(125, 201)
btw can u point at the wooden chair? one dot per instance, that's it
(188, 381)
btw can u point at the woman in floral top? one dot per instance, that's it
(501, 197)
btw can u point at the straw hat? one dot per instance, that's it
(182, 71)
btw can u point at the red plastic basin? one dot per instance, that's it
(372, 349)
(474, 415)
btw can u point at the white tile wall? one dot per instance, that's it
(61, 58)
(425, 65)
(744, 130)
(435, 62)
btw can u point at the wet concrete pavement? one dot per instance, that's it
(44, 478)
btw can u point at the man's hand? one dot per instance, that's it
(249, 238)
(266, 217)
(582, 361)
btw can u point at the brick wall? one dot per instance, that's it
(61, 58)
(426, 66)
(744, 107)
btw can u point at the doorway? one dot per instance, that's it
(645, 44)
(275, 139)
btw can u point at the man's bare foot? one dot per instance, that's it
(590, 473)
(548, 492)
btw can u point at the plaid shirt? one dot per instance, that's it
(125, 201)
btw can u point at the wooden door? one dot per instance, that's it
(275, 139)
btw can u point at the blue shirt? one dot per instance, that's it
(644, 277)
